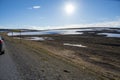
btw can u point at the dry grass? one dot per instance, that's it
(90, 58)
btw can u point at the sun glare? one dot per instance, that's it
(69, 8)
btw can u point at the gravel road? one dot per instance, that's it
(21, 63)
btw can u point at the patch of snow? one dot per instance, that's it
(25, 33)
(35, 38)
(76, 45)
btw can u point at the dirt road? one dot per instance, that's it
(21, 63)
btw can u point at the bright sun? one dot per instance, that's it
(69, 8)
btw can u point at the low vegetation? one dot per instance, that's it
(101, 54)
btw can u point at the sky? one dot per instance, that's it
(51, 14)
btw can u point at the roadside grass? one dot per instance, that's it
(53, 51)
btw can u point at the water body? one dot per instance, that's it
(110, 34)
(62, 32)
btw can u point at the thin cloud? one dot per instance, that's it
(115, 23)
(35, 7)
